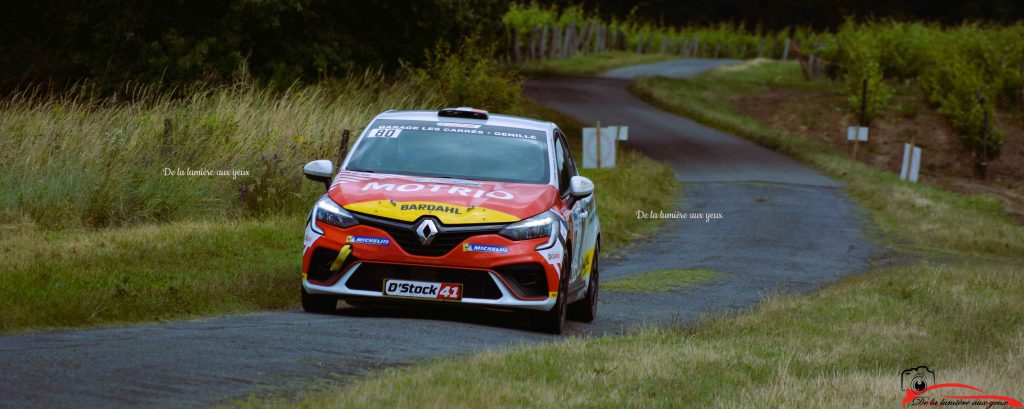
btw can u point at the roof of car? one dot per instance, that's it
(493, 119)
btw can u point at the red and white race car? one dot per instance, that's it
(456, 206)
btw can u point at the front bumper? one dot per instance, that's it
(491, 279)
(506, 298)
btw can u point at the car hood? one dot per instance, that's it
(452, 201)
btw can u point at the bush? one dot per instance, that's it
(878, 93)
(856, 51)
(470, 76)
(906, 49)
(965, 95)
(956, 69)
(112, 42)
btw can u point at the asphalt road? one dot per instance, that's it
(785, 227)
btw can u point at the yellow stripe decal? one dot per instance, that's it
(446, 213)
(342, 255)
(588, 261)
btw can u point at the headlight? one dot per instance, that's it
(329, 212)
(541, 225)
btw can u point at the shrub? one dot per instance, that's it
(878, 93)
(470, 76)
(964, 71)
(856, 51)
(965, 95)
(906, 49)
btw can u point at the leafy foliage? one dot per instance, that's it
(964, 94)
(966, 71)
(869, 99)
(180, 43)
(470, 76)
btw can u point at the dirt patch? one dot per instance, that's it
(823, 116)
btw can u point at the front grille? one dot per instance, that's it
(475, 283)
(320, 264)
(447, 238)
(527, 279)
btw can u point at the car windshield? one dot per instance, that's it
(455, 150)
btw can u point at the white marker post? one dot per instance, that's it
(911, 167)
(621, 132)
(905, 166)
(857, 134)
(915, 164)
(599, 145)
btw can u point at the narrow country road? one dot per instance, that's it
(785, 227)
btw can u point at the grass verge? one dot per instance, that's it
(590, 64)
(844, 345)
(143, 273)
(661, 281)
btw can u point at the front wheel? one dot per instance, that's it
(585, 310)
(319, 303)
(552, 321)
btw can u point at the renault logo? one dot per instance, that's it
(426, 231)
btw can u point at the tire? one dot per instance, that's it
(553, 321)
(319, 303)
(585, 310)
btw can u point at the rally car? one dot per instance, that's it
(455, 206)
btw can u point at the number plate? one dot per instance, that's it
(423, 289)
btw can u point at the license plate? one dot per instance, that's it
(423, 289)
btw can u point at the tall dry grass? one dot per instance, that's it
(78, 161)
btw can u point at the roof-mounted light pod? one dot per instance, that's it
(463, 112)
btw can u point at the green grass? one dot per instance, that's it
(591, 64)
(661, 281)
(209, 252)
(144, 273)
(957, 310)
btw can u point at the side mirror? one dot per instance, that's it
(580, 187)
(320, 171)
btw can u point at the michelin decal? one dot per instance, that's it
(484, 248)
(376, 241)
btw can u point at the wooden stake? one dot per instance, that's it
(343, 146)
(598, 132)
(864, 104)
